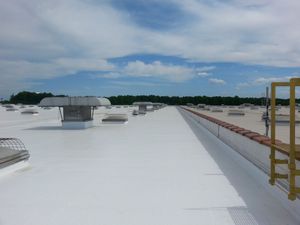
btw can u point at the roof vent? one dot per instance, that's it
(12, 151)
(216, 109)
(115, 118)
(78, 112)
(142, 107)
(236, 112)
(30, 111)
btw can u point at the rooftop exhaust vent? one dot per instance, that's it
(254, 107)
(201, 106)
(78, 112)
(216, 109)
(12, 109)
(143, 106)
(12, 151)
(30, 111)
(115, 118)
(236, 112)
(8, 106)
(158, 105)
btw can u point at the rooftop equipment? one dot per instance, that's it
(135, 112)
(30, 111)
(157, 105)
(285, 118)
(142, 112)
(142, 106)
(236, 112)
(254, 107)
(13, 109)
(47, 108)
(115, 118)
(247, 104)
(201, 106)
(78, 112)
(8, 106)
(206, 108)
(216, 109)
(280, 118)
(150, 109)
(12, 151)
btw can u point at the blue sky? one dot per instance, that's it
(172, 47)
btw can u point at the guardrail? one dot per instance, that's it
(251, 145)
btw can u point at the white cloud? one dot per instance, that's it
(41, 38)
(217, 81)
(109, 75)
(203, 74)
(242, 85)
(157, 69)
(21, 69)
(137, 83)
(263, 81)
(206, 68)
(205, 71)
(74, 64)
(14, 74)
(248, 32)
(268, 80)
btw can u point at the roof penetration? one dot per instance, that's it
(74, 101)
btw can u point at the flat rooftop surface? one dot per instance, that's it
(157, 169)
(253, 121)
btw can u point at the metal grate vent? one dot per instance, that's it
(241, 215)
(12, 143)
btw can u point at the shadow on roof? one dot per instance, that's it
(46, 128)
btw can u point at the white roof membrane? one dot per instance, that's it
(155, 170)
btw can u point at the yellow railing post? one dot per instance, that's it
(292, 163)
(273, 135)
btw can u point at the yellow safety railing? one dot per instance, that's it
(291, 149)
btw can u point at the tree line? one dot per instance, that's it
(26, 97)
(208, 100)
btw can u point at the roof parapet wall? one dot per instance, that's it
(261, 139)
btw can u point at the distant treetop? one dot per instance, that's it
(26, 97)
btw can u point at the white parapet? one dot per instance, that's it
(257, 155)
(77, 124)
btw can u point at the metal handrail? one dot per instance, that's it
(291, 147)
